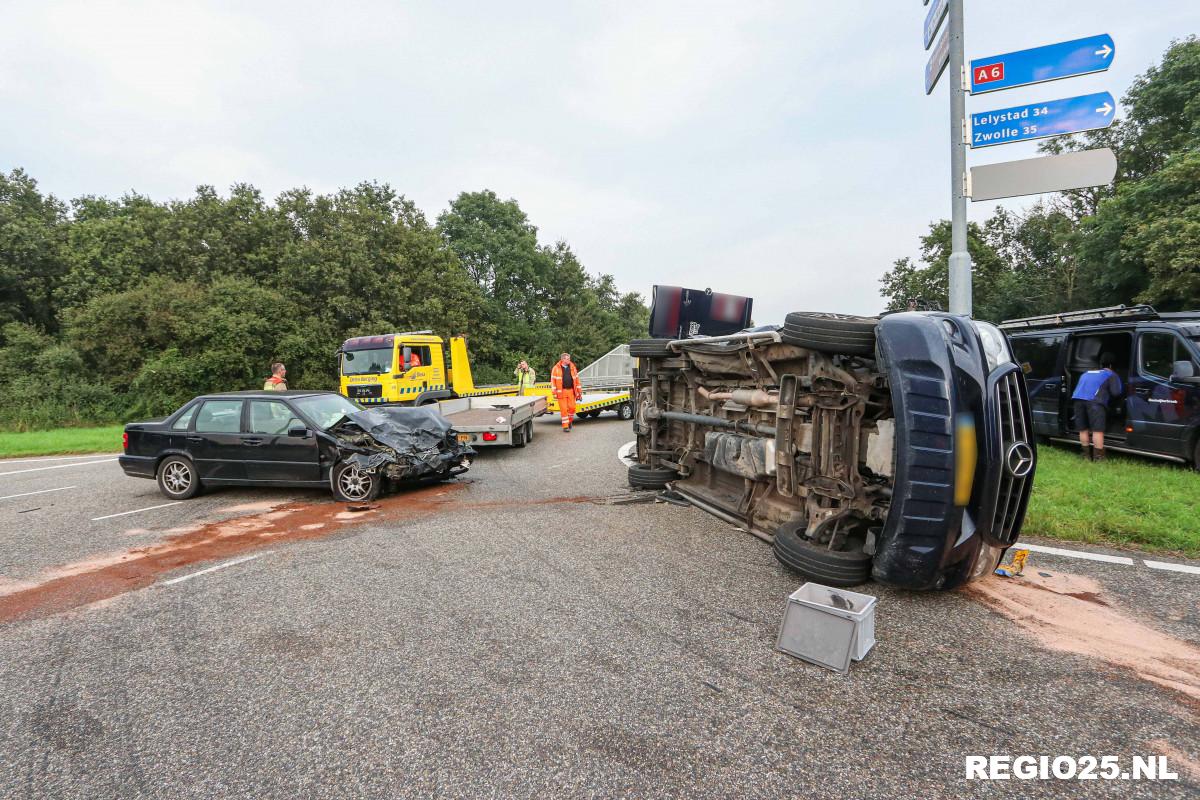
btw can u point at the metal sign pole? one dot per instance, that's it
(960, 258)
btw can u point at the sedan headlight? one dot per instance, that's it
(995, 346)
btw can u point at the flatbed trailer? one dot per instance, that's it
(493, 421)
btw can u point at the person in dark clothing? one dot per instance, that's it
(1092, 393)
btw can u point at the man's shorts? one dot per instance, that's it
(1090, 416)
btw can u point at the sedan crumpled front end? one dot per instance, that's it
(401, 443)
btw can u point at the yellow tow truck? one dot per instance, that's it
(415, 369)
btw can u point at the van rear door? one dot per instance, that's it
(1041, 358)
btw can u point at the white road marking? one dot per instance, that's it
(1171, 567)
(215, 567)
(7, 461)
(1055, 551)
(40, 491)
(57, 466)
(135, 511)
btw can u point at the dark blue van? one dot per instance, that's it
(1156, 355)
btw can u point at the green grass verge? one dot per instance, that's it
(1124, 501)
(61, 441)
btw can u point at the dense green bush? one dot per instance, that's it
(115, 309)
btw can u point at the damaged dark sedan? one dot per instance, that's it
(295, 439)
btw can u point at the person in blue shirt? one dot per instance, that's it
(1092, 393)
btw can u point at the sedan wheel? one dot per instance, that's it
(177, 478)
(352, 485)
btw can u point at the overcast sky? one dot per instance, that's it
(784, 150)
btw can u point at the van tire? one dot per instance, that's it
(1196, 455)
(177, 478)
(650, 348)
(830, 567)
(643, 477)
(839, 334)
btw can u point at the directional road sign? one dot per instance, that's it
(1039, 120)
(1047, 174)
(933, 20)
(1040, 64)
(937, 61)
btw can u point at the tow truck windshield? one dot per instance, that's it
(367, 362)
(327, 410)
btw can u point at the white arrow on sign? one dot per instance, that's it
(1104, 52)
(1105, 109)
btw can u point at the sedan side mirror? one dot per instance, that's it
(299, 432)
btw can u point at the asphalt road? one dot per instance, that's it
(525, 632)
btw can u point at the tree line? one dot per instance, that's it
(112, 309)
(1137, 241)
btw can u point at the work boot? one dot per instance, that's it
(1098, 454)
(1086, 452)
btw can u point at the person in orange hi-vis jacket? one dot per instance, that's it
(564, 378)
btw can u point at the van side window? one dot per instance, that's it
(1038, 356)
(1159, 352)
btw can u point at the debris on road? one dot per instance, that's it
(827, 626)
(1015, 568)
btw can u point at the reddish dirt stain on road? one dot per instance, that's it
(1069, 613)
(86, 583)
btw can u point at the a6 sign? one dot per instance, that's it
(989, 73)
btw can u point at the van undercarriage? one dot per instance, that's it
(852, 463)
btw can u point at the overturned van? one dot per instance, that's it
(898, 448)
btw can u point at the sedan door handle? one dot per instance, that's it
(196, 439)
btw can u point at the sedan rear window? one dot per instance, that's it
(220, 416)
(185, 418)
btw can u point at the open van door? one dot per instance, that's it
(1042, 358)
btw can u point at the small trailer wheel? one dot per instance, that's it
(625, 410)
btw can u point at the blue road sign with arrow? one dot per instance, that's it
(1039, 120)
(1040, 64)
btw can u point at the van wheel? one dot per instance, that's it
(830, 567)
(177, 478)
(839, 334)
(643, 477)
(1196, 456)
(352, 485)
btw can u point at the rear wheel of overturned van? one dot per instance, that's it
(838, 334)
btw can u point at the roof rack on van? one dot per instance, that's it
(1081, 317)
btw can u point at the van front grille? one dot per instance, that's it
(1017, 456)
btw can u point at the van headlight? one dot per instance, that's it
(995, 346)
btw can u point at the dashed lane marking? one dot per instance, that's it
(1057, 551)
(39, 491)
(214, 568)
(1168, 566)
(135, 511)
(58, 466)
(5, 462)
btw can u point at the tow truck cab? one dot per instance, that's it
(410, 369)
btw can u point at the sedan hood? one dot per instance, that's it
(404, 442)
